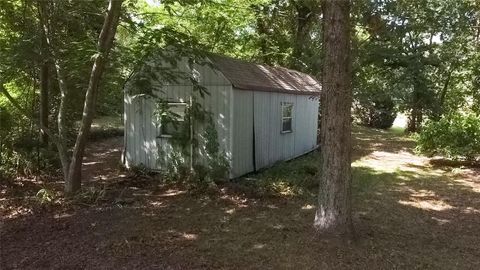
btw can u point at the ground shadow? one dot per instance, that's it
(407, 216)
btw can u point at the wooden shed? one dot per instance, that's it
(261, 115)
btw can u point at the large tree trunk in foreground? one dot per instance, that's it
(334, 201)
(104, 45)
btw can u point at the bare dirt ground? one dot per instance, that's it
(410, 213)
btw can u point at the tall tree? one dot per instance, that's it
(105, 42)
(54, 36)
(334, 201)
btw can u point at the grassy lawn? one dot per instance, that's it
(409, 214)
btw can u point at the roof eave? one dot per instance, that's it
(272, 89)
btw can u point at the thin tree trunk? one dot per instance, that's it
(304, 14)
(61, 143)
(105, 42)
(44, 85)
(44, 89)
(443, 94)
(262, 31)
(412, 121)
(334, 212)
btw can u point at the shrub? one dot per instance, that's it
(20, 150)
(378, 113)
(454, 136)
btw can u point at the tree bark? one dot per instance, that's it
(44, 90)
(61, 143)
(263, 33)
(334, 212)
(304, 14)
(44, 80)
(412, 121)
(105, 42)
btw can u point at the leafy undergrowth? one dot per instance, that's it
(294, 178)
(409, 214)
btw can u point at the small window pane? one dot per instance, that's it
(287, 109)
(171, 129)
(168, 126)
(287, 117)
(178, 109)
(287, 125)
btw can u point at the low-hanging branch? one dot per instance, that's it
(24, 112)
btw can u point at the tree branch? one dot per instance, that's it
(24, 112)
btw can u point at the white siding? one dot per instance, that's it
(262, 112)
(242, 150)
(248, 124)
(142, 145)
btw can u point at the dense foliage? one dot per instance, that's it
(455, 136)
(420, 58)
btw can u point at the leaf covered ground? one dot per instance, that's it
(410, 213)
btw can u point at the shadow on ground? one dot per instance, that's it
(408, 215)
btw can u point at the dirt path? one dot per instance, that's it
(102, 161)
(409, 214)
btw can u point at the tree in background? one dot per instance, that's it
(422, 53)
(334, 212)
(54, 40)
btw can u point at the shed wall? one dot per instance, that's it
(248, 124)
(242, 158)
(142, 144)
(257, 127)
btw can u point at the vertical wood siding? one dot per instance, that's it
(236, 114)
(242, 149)
(263, 112)
(142, 145)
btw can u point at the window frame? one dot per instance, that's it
(160, 133)
(283, 106)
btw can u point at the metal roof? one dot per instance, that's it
(250, 76)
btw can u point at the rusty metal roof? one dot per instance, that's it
(250, 76)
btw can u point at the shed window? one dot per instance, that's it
(172, 121)
(287, 117)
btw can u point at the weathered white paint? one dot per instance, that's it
(143, 144)
(271, 145)
(242, 158)
(248, 124)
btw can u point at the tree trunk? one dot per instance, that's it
(262, 31)
(334, 201)
(61, 143)
(412, 121)
(304, 14)
(44, 89)
(104, 45)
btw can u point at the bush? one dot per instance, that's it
(455, 136)
(20, 149)
(379, 113)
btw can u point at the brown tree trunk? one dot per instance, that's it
(304, 14)
(44, 89)
(412, 121)
(44, 15)
(334, 212)
(105, 42)
(44, 85)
